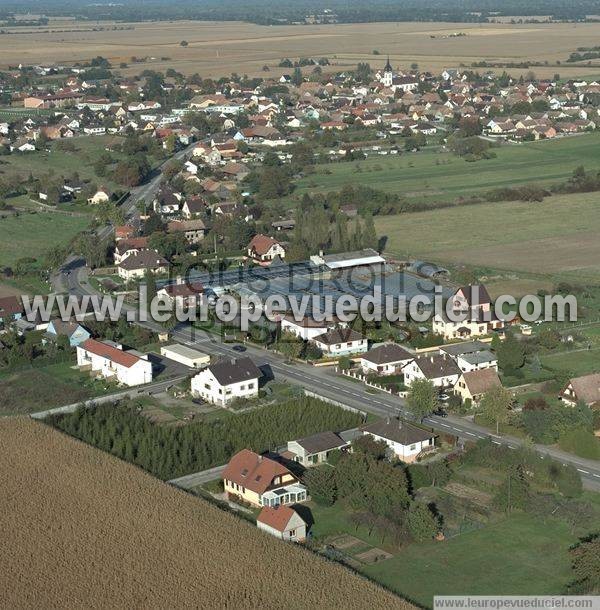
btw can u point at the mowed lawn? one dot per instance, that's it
(32, 235)
(522, 555)
(558, 236)
(433, 174)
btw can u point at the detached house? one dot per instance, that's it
(193, 206)
(137, 265)
(316, 448)
(305, 329)
(386, 359)
(109, 360)
(404, 440)
(127, 247)
(76, 333)
(183, 295)
(261, 481)
(341, 342)
(264, 249)
(472, 385)
(471, 355)
(193, 230)
(471, 315)
(582, 389)
(227, 380)
(442, 371)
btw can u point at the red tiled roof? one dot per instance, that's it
(108, 351)
(277, 518)
(11, 305)
(261, 243)
(184, 290)
(132, 243)
(124, 231)
(253, 471)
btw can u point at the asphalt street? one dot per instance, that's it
(322, 381)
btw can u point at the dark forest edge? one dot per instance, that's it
(271, 12)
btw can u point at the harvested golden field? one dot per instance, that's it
(80, 528)
(218, 48)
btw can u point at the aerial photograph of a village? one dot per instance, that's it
(299, 304)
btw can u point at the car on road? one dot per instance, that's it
(239, 348)
(440, 413)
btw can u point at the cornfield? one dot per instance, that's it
(81, 528)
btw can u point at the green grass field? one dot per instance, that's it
(576, 362)
(522, 555)
(31, 235)
(437, 175)
(557, 237)
(59, 162)
(37, 389)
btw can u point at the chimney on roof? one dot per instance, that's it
(260, 457)
(388, 421)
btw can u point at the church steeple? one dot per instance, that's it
(388, 74)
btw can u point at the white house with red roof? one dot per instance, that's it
(264, 249)
(261, 481)
(111, 361)
(282, 522)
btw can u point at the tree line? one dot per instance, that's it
(169, 452)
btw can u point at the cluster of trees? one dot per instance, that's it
(24, 350)
(121, 332)
(584, 53)
(272, 179)
(526, 470)
(471, 148)
(94, 251)
(171, 452)
(303, 61)
(510, 354)
(366, 199)
(548, 424)
(292, 347)
(328, 229)
(585, 557)
(581, 181)
(376, 490)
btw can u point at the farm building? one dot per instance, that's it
(185, 355)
